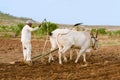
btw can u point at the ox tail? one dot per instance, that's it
(57, 40)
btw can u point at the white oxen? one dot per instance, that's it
(53, 37)
(68, 39)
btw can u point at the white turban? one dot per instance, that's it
(29, 21)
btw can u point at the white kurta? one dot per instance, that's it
(26, 41)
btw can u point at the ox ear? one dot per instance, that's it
(96, 33)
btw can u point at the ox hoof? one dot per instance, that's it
(65, 60)
(29, 63)
(75, 61)
(50, 59)
(11, 62)
(60, 63)
(85, 65)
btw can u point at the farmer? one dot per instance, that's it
(26, 41)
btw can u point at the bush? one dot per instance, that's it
(117, 32)
(102, 31)
(18, 29)
(93, 30)
(3, 28)
(110, 33)
(45, 29)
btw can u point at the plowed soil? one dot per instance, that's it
(103, 64)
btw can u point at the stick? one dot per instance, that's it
(46, 37)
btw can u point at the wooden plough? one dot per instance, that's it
(42, 55)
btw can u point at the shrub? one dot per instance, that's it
(18, 29)
(3, 28)
(117, 32)
(46, 28)
(102, 31)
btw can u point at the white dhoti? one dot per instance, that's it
(27, 50)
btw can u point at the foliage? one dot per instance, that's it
(110, 33)
(15, 31)
(93, 30)
(102, 31)
(46, 28)
(114, 33)
(117, 32)
(18, 29)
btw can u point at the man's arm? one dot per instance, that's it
(33, 29)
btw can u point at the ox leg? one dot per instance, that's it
(60, 54)
(79, 54)
(84, 57)
(50, 58)
(64, 56)
(64, 50)
(60, 61)
(71, 51)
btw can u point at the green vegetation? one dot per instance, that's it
(103, 31)
(15, 31)
(11, 26)
(45, 29)
(100, 31)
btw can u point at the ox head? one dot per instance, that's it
(94, 38)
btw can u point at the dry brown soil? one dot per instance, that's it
(103, 64)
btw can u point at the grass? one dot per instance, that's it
(109, 43)
(106, 40)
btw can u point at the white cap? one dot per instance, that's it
(29, 21)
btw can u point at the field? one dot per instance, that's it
(103, 64)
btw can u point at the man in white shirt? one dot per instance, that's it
(26, 41)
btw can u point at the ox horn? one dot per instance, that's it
(91, 33)
(96, 33)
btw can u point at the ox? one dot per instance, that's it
(65, 39)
